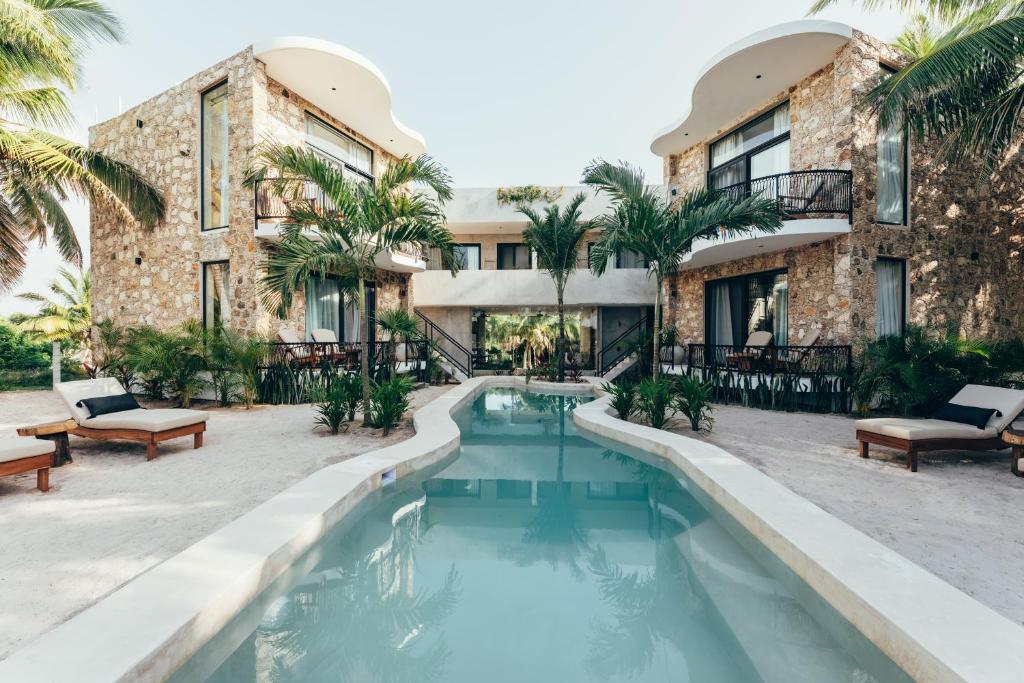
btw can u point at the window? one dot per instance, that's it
(891, 286)
(629, 259)
(736, 307)
(467, 256)
(514, 257)
(214, 153)
(339, 148)
(216, 294)
(756, 149)
(892, 171)
(323, 307)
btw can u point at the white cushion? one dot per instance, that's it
(324, 336)
(155, 420)
(73, 392)
(1009, 402)
(759, 338)
(914, 430)
(18, 447)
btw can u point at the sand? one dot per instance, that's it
(111, 515)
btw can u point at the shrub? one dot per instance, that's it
(351, 389)
(238, 359)
(624, 400)
(113, 352)
(388, 403)
(693, 399)
(171, 363)
(655, 400)
(331, 409)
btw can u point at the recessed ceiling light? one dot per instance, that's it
(757, 76)
(336, 88)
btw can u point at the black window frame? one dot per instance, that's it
(745, 278)
(202, 289)
(904, 290)
(348, 166)
(891, 70)
(202, 156)
(516, 245)
(750, 152)
(341, 302)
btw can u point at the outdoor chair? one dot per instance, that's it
(117, 416)
(20, 454)
(747, 359)
(332, 348)
(296, 351)
(955, 427)
(791, 359)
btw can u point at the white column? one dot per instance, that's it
(55, 362)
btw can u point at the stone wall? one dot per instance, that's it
(165, 288)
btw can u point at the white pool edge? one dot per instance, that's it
(149, 627)
(932, 630)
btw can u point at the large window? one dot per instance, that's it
(891, 306)
(214, 153)
(216, 294)
(466, 255)
(737, 307)
(514, 257)
(339, 148)
(324, 307)
(629, 259)
(756, 149)
(892, 171)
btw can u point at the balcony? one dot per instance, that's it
(273, 198)
(531, 288)
(815, 206)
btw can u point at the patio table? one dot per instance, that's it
(56, 432)
(1014, 435)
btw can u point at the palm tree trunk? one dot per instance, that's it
(364, 345)
(561, 336)
(656, 360)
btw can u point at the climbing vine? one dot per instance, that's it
(527, 194)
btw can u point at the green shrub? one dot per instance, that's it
(693, 399)
(171, 363)
(655, 400)
(113, 352)
(331, 410)
(624, 399)
(350, 387)
(388, 403)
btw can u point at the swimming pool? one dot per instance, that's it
(537, 552)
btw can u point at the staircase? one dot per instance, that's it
(458, 358)
(618, 355)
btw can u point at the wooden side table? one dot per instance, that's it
(1014, 435)
(56, 432)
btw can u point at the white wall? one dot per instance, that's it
(497, 288)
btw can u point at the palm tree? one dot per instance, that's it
(64, 317)
(643, 221)
(555, 237)
(354, 223)
(40, 47)
(963, 86)
(399, 326)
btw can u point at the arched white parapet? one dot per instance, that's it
(329, 75)
(794, 233)
(748, 73)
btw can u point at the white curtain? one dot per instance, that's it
(891, 169)
(721, 310)
(890, 286)
(773, 160)
(780, 120)
(217, 287)
(323, 303)
(351, 320)
(780, 317)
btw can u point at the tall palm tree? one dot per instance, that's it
(66, 316)
(352, 224)
(643, 221)
(556, 237)
(963, 87)
(41, 45)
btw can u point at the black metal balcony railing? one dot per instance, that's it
(275, 198)
(791, 360)
(802, 193)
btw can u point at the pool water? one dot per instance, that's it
(539, 554)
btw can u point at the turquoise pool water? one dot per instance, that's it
(538, 554)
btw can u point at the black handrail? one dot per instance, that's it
(604, 364)
(802, 193)
(274, 198)
(819, 359)
(432, 330)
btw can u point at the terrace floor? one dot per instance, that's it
(111, 515)
(957, 516)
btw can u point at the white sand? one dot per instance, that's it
(112, 515)
(958, 516)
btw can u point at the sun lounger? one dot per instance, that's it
(916, 435)
(20, 454)
(297, 351)
(148, 426)
(792, 359)
(747, 359)
(332, 348)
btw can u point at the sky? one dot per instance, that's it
(509, 93)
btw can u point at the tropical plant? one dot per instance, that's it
(530, 338)
(963, 84)
(351, 391)
(399, 326)
(236, 362)
(623, 398)
(693, 399)
(355, 223)
(388, 403)
(40, 52)
(113, 353)
(65, 317)
(555, 238)
(331, 408)
(172, 363)
(654, 400)
(643, 221)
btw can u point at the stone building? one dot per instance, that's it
(195, 142)
(880, 231)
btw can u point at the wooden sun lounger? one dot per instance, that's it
(151, 439)
(36, 456)
(914, 447)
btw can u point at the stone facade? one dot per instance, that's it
(963, 242)
(154, 277)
